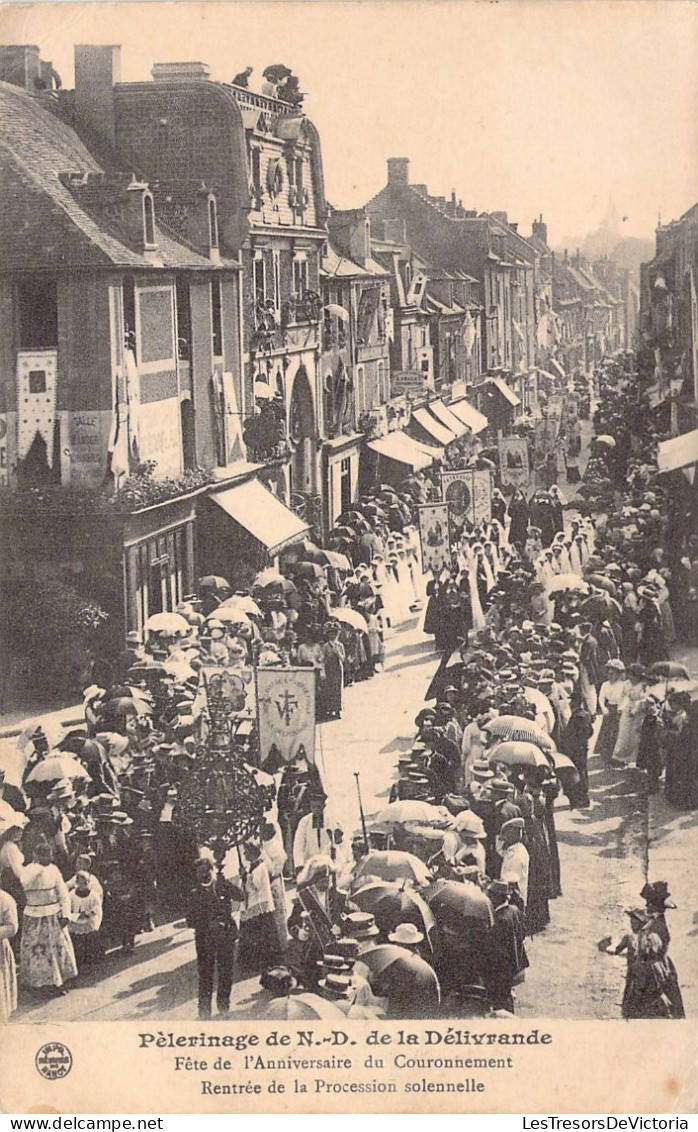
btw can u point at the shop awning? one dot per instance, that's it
(470, 416)
(678, 452)
(433, 428)
(447, 418)
(506, 392)
(262, 515)
(404, 449)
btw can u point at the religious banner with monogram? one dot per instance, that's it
(286, 711)
(435, 537)
(468, 492)
(514, 470)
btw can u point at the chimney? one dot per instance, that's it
(180, 72)
(540, 229)
(514, 227)
(396, 231)
(398, 170)
(97, 68)
(20, 65)
(501, 217)
(350, 230)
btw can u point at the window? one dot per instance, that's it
(183, 319)
(129, 300)
(345, 485)
(148, 221)
(257, 171)
(382, 391)
(259, 280)
(299, 175)
(300, 277)
(360, 390)
(217, 318)
(408, 274)
(276, 261)
(212, 223)
(37, 301)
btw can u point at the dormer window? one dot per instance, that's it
(148, 221)
(212, 222)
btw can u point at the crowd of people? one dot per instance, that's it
(545, 618)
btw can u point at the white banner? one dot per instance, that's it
(286, 711)
(435, 537)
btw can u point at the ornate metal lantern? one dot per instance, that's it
(220, 801)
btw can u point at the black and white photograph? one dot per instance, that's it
(272, 277)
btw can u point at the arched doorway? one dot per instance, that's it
(301, 429)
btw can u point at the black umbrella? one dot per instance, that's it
(276, 72)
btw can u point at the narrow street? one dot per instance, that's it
(606, 854)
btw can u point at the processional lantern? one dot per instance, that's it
(220, 801)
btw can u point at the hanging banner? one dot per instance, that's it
(468, 493)
(514, 468)
(286, 711)
(36, 400)
(435, 537)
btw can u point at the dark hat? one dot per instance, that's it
(500, 786)
(360, 925)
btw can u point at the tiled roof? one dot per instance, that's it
(43, 224)
(336, 266)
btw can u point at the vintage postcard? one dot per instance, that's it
(349, 567)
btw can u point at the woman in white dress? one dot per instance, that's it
(631, 709)
(47, 958)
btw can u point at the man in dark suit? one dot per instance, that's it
(507, 959)
(212, 915)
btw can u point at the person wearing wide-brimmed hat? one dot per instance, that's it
(647, 975)
(657, 900)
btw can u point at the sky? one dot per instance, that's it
(549, 106)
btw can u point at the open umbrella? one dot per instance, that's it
(126, 705)
(169, 623)
(231, 614)
(600, 605)
(214, 582)
(519, 728)
(349, 616)
(342, 532)
(453, 900)
(394, 904)
(241, 601)
(605, 439)
(299, 1007)
(276, 72)
(517, 753)
(562, 762)
(306, 570)
(601, 582)
(563, 582)
(391, 864)
(55, 767)
(671, 669)
(268, 577)
(397, 813)
(335, 560)
(381, 957)
(406, 980)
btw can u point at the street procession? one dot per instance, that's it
(350, 584)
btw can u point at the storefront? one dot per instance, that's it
(395, 455)
(342, 457)
(242, 529)
(159, 559)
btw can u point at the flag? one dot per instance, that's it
(469, 333)
(133, 396)
(286, 711)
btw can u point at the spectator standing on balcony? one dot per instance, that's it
(243, 79)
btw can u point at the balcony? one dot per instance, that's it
(253, 101)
